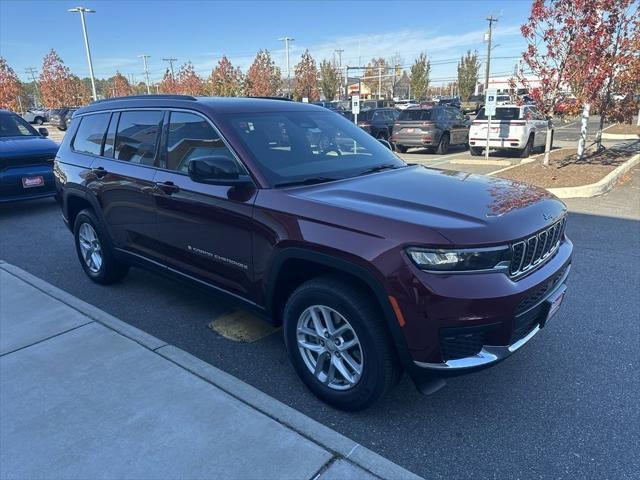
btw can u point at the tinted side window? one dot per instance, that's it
(90, 133)
(191, 136)
(137, 137)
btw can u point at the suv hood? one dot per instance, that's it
(466, 209)
(23, 146)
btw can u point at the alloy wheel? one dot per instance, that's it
(329, 347)
(90, 247)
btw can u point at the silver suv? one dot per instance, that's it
(36, 115)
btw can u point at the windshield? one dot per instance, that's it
(299, 146)
(415, 114)
(14, 126)
(511, 113)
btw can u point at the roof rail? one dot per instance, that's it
(153, 96)
(274, 98)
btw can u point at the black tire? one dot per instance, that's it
(475, 151)
(380, 366)
(39, 120)
(526, 151)
(443, 145)
(401, 148)
(110, 271)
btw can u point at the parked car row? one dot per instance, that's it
(516, 128)
(58, 117)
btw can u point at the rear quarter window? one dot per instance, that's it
(90, 133)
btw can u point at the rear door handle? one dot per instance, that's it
(167, 187)
(99, 172)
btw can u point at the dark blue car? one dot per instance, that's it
(26, 160)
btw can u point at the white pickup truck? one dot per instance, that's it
(519, 128)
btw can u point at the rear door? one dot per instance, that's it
(123, 180)
(204, 230)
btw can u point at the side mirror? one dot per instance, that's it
(43, 131)
(385, 143)
(217, 170)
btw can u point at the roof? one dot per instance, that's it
(216, 104)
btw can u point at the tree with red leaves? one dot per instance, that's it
(58, 86)
(225, 81)
(263, 77)
(188, 81)
(119, 86)
(553, 32)
(168, 83)
(11, 91)
(305, 81)
(613, 58)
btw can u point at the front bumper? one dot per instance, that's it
(492, 354)
(11, 188)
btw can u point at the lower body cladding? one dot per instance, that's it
(460, 323)
(26, 183)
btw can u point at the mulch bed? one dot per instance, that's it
(623, 128)
(565, 170)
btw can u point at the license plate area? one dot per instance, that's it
(553, 304)
(31, 182)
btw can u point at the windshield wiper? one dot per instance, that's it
(306, 181)
(379, 168)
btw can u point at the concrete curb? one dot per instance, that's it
(600, 187)
(338, 444)
(620, 136)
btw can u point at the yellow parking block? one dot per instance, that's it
(242, 326)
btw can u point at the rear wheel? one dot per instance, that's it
(338, 344)
(526, 151)
(94, 250)
(475, 151)
(39, 121)
(443, 146)
(401, 148)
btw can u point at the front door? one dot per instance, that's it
(124, 180)
(205, 230)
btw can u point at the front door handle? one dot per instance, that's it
(99, 172)
(167, 187)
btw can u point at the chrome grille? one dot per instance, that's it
(533, 251)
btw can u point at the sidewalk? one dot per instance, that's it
(84, 395)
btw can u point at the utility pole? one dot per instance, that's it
(33, 71)
(491, 20)
(82, 11)
(379, 82)
(286, 41)
(170, 60)
(146, 70)
(339, 52)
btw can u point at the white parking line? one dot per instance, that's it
(567, 125)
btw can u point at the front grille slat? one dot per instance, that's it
(530, 252)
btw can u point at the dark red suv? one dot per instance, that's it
(372, 266)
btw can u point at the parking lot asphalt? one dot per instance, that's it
(566, 406)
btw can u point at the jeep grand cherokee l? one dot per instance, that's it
(372, 266)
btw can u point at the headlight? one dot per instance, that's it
(444, 260)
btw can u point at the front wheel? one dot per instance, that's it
(39, 121)
(338, 343)
(94, 250)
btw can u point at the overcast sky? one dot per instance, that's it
(202, 31)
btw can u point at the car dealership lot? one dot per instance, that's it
(546, 412)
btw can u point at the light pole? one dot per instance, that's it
(339, 52)
(82, 11)
(286, 41)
